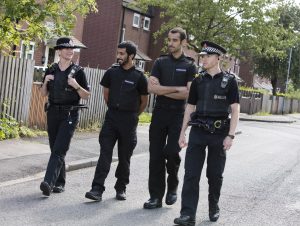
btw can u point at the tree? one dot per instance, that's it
(239, 25)
(275, 66)
(25, 19)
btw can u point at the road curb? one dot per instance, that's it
(270, 121)
(74, 165)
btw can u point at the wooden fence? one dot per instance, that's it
(21, 98)
(15, 87)
(96, 105)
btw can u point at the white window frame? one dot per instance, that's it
(27, 52)
(136, 15)
(141, 64)
(149, 20)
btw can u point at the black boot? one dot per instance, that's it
(45, 188)
(184, 220)
(121, 195)
(171, 198)
(152, 203)
(94, 194)
(214, 212)
(58, 189)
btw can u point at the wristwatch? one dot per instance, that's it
(231, 136)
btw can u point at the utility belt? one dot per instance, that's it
(170, 107)
(210, 125)
(67, 108)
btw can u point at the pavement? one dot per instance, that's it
(23, 160)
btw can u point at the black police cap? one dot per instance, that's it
(65, 43)
(211, 48)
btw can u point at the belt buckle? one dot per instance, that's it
(218, 124)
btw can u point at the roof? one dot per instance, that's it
(142, 56)
(262, 85)
(127, 4)
(52, 42)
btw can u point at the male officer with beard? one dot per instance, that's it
(170, 80)
(211, 96)
(125, 93)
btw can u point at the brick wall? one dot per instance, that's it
(101, 35)
(139, 36)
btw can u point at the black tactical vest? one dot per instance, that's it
(123, 93)
(59, 90)
(212, 96)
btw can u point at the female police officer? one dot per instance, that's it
(211, 95)
(64, 83)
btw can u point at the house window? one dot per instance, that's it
(27, 51)
(147, 23)
(140, 64)
(136, 20)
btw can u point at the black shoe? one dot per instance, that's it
(58, 189)
(214, 216)
(121, 195)
(94, 194)
(185, 221)
(152, 203)
(171, 198)
(45, 188)
(214, 211)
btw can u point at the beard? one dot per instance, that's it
(122, 62)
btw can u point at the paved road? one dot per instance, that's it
(261, 187)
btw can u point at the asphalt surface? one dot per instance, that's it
(25, 159)
(261, 187)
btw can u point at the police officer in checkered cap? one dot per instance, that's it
(211, 96)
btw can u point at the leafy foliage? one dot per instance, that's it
(145, 118)
(275, 67)
(26, 19)
(10, 128)
(239, 25)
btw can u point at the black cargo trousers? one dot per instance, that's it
(199, 139)
(118, 126)
(164, 150)
(61, 125)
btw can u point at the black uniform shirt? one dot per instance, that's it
(232, 95)
(173, 72)
(125, 87)
(60, 79)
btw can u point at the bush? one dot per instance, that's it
(249, 89)
(10, 128)
(145, 118)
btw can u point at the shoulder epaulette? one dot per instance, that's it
(52, 68)
(190, 58)
(230, 75)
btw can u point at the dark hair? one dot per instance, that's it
(129, 46)
(180, 31)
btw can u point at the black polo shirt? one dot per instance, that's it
(232, 95)
(173, 72)
(125, 87)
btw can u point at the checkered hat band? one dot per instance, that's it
(212, 50)
(65, 45)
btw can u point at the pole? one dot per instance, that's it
(288, 71)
